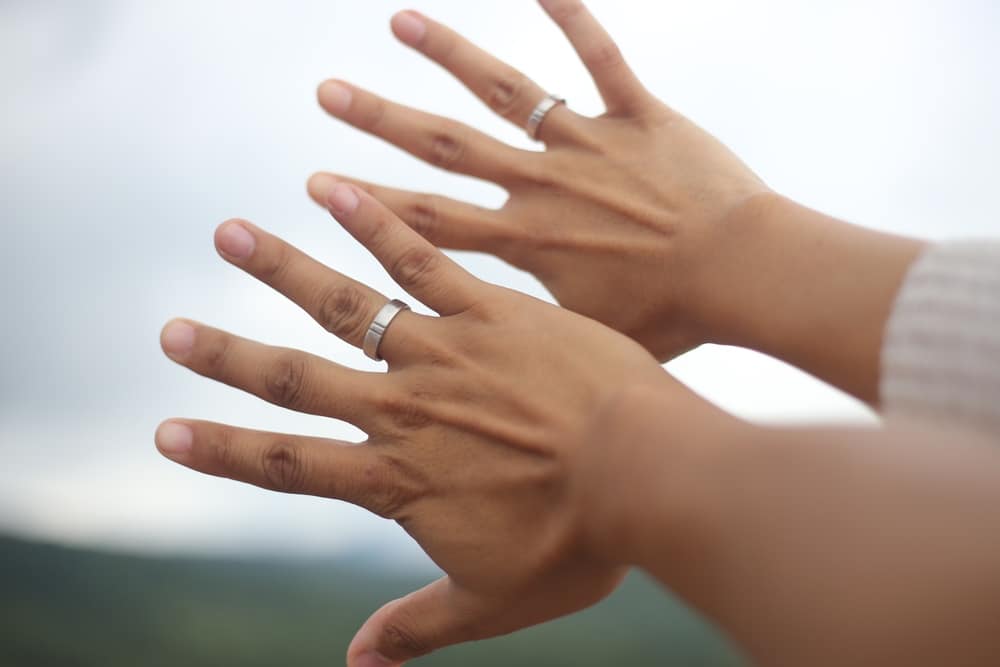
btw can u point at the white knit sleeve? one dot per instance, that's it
(941, 354)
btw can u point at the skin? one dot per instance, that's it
(474, 434)
(638, 201)
(535, 480)
(813, 546)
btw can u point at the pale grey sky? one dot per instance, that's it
(130, 130)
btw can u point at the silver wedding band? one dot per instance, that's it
(376, 330)
(547, 104)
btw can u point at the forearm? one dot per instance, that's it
(806, 288)
(819, 546)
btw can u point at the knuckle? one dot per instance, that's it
(380, 233)
(414, 266)
(439, 355)
(401, 639)
(446, 46)
(605, 55)
(284, 467)
(226, 453)
(544, 242)
(406, 412)
(275, 266)
(217, 354)
(423, 215)
(491, 315)
(447, 147)
(506, 94)
(388, 487)
(388, 502)
(373, 119)
(544, 172)
(285, 380)
(341, 310)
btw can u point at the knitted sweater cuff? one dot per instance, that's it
(941, 352)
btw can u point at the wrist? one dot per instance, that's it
(648, 479)
(805, 288)
(735, 255)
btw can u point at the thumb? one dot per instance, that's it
(437, 615)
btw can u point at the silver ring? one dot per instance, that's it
(384, 317)
(548, 103)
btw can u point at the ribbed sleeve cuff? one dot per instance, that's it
(941, 353)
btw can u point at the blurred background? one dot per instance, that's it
(130, 130)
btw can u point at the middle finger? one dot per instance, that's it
(440, 141)
(507, 91)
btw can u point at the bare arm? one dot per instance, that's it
(806, 288)
(816, 546)
(535, 480)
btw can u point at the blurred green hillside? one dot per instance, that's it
(62, 606)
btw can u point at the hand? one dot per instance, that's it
(634, 202)
(479, 437)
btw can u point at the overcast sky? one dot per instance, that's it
(129, 130)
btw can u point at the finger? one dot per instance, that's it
(289, 378)
(342, 306)
(619, 87)
(440, 141)
(507, 91)
(416, 265)
(445, 222)
(438, 615)
(284, 463)
(444, 613)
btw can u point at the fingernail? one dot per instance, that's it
(335, 97)
(236, 241)
(409, 27)
(372, 659)
(177, 338)
(174, 438)
(342, 200)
